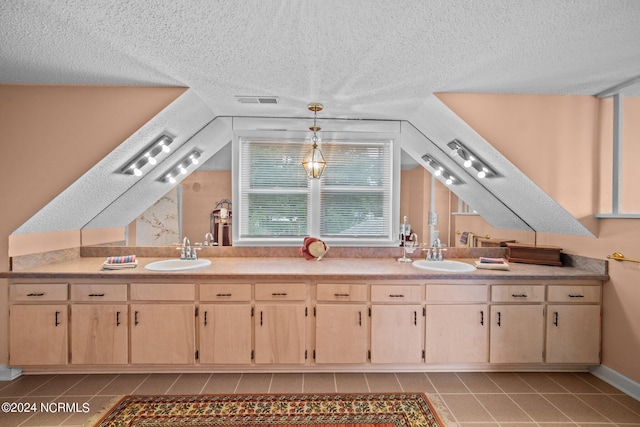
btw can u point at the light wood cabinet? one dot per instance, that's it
(573, 334)
(99, 334)
(162, 334)
(225, 334)
(38, 334)
(280, 333)
(341, 333)
(457, 333)
(396, 333)
(516, 333)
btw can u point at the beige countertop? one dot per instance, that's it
(262, 268)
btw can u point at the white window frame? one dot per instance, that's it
(391, 227)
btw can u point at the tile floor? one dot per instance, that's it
(462, 399)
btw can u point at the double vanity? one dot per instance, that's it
(290, 314)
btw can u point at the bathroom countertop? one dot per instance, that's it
(281, 268)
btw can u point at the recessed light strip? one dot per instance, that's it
(470, 160)
(181, 168)
(148, 156)
(441, 172)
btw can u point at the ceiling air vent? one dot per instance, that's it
(257, 99)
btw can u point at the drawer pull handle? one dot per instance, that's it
(555, 320)
(117, 318)
(205, 318)
(223, 295)
(415, 318)
(279, 294)
(96, 295)
(396, 296)
(57, 322)
(576, 296)
(499, 319)
(519, 295)
(340, 295)
(359, 318)
(260, 318)
(482, 317)
(135, 318)
(35, 294)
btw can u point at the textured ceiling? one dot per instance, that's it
(362, 59)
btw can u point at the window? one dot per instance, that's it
(351, 204)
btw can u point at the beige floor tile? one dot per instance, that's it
(351, 383)
(478, 382)
(254, 383)
(447, 382)
(189, 384)
(383, 383)
(597, 383)
(123, 385)
(156, 384)
(319, 383)
(509, 382)
(48, 413)
(610, 408)
(58, 385)
(97, 404)
(286, 383)
(541, 382)
(574, 408)
(90, 385)
(628, 402)
(222, 383)
(415, 382)
(23, 385)
(538, 408)
(466, 408)
(502, 408)
(572, 382)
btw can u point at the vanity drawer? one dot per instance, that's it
(98, 292)
(38, 292)
(517, 293)
(396, 293)
(163, 292)
(280, 291)
(341, 292)
(225, 292)
(457, 293)
(575, 293)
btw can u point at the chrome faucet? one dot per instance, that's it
(208, 239)
(435, 252)
(186, 251)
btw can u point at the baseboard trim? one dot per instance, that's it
(619, 381)
(8, 374)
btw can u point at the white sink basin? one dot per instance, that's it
(177, 264)
(445, 265)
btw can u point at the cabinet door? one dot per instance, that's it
(225, 333)
(99, 334)
(280, 334)
(516, 333)
(341, 333)
(573, 334)
(457, 334)
(162, 333)
(396, 333)
(38, 335)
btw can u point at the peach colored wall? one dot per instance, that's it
(201, 190)
(51, 135)
(558, 142)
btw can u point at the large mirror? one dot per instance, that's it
(202, 204)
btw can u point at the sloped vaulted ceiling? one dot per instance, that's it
(363, 59)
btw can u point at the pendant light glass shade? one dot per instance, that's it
(314, 162)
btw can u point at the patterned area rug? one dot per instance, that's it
(304, 410)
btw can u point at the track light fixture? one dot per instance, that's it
(441, 172)
(148, 156)
(470, 160)
(181, 168)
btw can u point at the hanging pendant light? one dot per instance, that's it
(314, 162)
